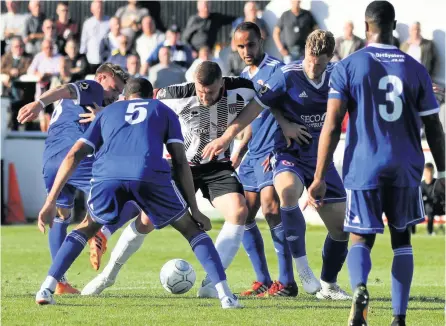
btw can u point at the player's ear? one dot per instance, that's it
(394, 25)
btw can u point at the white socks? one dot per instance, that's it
(106, 232)
(129, 242)
(301, 263)
(49, 283)
(223, 289)
(228, 242)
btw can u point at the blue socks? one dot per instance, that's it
(283, 252)
(71, 248)
(294, 225)
(57, 234)
(333, 257)
(402, 272)
(206, 253)
(253, 244)
(359, 264)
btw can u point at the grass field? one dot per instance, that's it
(138, 298)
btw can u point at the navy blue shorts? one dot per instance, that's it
(79, 180)
(162, 202)
(252, 176)
(403, 207)
(304, 168)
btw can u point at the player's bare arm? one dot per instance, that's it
(435, 138)
(31, 111)
(219, 145)
(291, 131)
(240, 152)
(329, 139)
(186, 183)
(77, 153)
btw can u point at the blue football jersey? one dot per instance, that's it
(386, 92)
(301, 100)
(65, 128)
(264, 126)
(128, 139)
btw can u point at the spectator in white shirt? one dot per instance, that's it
(166, 72)
(93, 31)
(204, 54)
(149, 39)
(11, 23)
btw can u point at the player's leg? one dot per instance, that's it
(252, 238)
(285, 285)
(403, 208)
(129, 242)
(289, 185)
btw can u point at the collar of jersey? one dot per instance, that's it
(382, 46)
(258, 67)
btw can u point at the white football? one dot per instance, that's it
(177, 276)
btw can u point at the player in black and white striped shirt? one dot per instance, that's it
(206, 108)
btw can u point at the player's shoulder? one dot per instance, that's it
(237, 83)
(272, 61)
(293, 67)
(176, 91)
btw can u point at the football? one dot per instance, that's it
(177, 276)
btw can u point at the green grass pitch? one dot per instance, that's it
(138, 298)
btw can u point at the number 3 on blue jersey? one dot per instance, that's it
(391, 96)
(141, 115)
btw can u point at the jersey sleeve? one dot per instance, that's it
(173, 130)
(93, 136)
(174, 96)
(338, 83)
(88, 92)
(273, 90)
(427, 103)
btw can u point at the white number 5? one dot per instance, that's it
(132, 108)
(392, 96)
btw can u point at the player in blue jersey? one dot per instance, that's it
(388, 96)
(258, 142)
(65, 128)
(127, 141)
(298, 93)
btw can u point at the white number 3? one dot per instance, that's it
(391, 96)
(132, 108)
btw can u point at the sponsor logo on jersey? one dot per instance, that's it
(313, 120)
(287, 163)
(303, 94)
(387, 57)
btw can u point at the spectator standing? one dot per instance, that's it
(76, 63)
(348, 43)
(33, 28)
(94, 30)
(292, 31)
(180, 53)
(250, 10)
(202, 29)
(149, 39)
(420, 49)
(433, 203)
(235, 62)
(166, 72)
(204, 54)
(133, 66)
(11, 23)
(131, 17)
(119, 56)
(14, 64)
(66, 28)
(110, 43)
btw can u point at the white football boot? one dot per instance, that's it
(332, 291)
(207, 289)
(310, 283)
(97, 285)
(230, 303)
(44, 297)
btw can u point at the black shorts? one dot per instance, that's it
(215, 179)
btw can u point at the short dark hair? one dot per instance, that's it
(139, 86)
(429, 166)
(249, 27)
(63, 3)
(114, 70)
(207, 73)
(380, 13)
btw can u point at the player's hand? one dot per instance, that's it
(46, 214)
(204, 223)
(298, 133)
(236, 159)
(29, 112)
(89, 117)
(267, 164)
(215, 148)
(316, 193)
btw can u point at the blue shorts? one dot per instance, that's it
(304, 168)
(403, 207)
(252, 176)
(162, 202)
(79, 180)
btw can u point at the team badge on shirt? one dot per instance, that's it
(84, 86)
(287, 163)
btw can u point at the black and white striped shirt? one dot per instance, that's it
(199, 124)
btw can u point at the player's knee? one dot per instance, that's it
(240, 214)
(399, 239)
(288, 196)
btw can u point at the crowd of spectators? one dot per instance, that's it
(49, 51)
